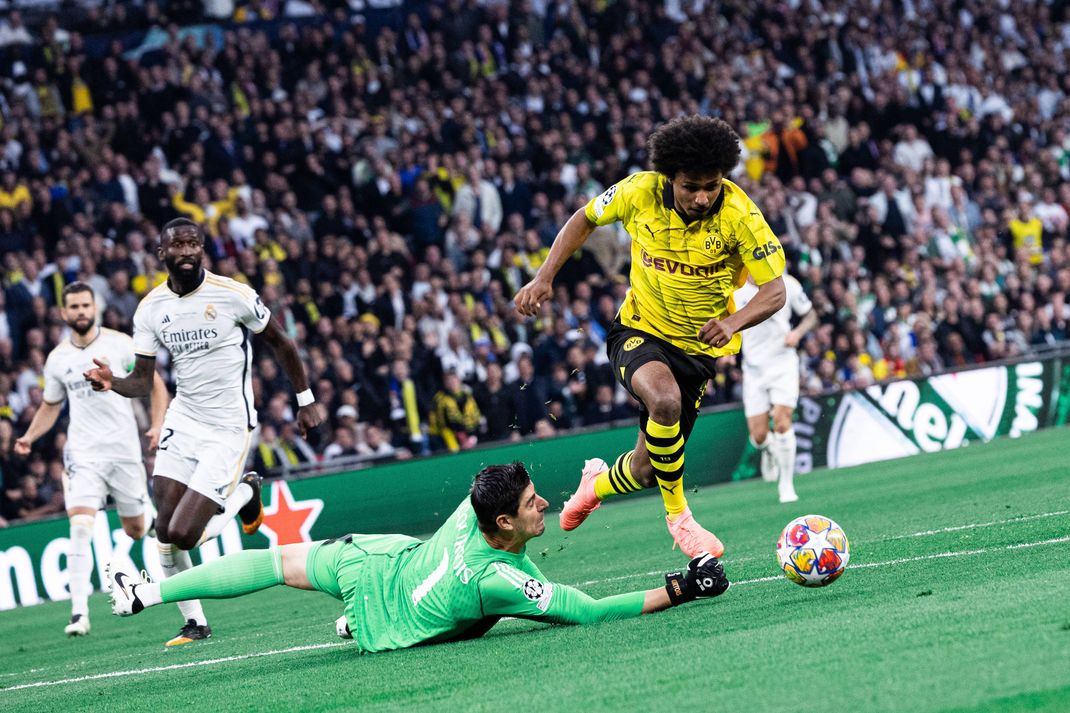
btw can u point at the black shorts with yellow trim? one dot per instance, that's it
(628, 349)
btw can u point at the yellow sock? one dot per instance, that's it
(666, 447)
(617, 480)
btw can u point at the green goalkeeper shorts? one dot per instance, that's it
(336, 566)
(333, 566)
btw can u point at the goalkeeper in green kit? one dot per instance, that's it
(399, 591)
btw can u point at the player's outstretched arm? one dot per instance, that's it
(309, 413)
(532, 599)
(570, 239)
(136, 385)
(42, 423)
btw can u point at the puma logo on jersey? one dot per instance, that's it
(670, 490)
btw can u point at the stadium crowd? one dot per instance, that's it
(388, 191)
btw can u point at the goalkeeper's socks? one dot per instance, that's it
(229, 576)
(665, 444)
(617, 480)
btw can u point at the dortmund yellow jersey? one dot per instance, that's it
(684, 274)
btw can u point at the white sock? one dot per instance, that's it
(80, 562)
(149, 594)
(783, 449)
(241, 495)
(768, 467)
(173, 561)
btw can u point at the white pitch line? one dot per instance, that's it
(156, 669)
(293, 649)
(867, 564)
(922, 558)
(973, 526)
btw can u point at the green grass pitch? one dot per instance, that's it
(957, 598)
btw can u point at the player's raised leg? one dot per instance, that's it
(245, 503)
(783, 448)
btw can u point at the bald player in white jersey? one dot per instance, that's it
(206, 322)
(771, 382)
(103, 452)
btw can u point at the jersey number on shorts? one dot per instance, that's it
(167, 433)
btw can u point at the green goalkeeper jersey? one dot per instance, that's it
(400, 591)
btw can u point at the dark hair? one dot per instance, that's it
(179, 223)
(496, 491)
(698, 145)
(74, 288)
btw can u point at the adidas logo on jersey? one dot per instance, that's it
(167, 319)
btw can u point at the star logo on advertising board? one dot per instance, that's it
(286, 520)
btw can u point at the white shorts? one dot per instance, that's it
(207, 459)
(763, 390)
(88, 485)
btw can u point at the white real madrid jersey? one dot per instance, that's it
(207, 333)
(763, 344)
(102, 425)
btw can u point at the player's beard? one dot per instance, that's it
(184, 277)
(80, 327)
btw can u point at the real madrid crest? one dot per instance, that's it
(209, 312)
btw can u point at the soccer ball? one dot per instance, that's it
(812, 551)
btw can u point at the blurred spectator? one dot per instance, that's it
(497, 404)
(454, 414)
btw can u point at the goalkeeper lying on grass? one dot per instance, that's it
(399, 591)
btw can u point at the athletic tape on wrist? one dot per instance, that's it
(305, 398)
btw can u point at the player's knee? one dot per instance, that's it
(782, 421)
(163, 531)
(183, 538)
(665, 408)
(135, 531)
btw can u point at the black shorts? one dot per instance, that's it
(628, 349)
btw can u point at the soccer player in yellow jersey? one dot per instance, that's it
(695, 235)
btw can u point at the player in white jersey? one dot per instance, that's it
(103, 453)
(771, 382)
(205, 321)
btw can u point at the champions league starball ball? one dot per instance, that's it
(812, 551)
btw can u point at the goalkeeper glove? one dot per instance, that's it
(341, 627)
(704, 577)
